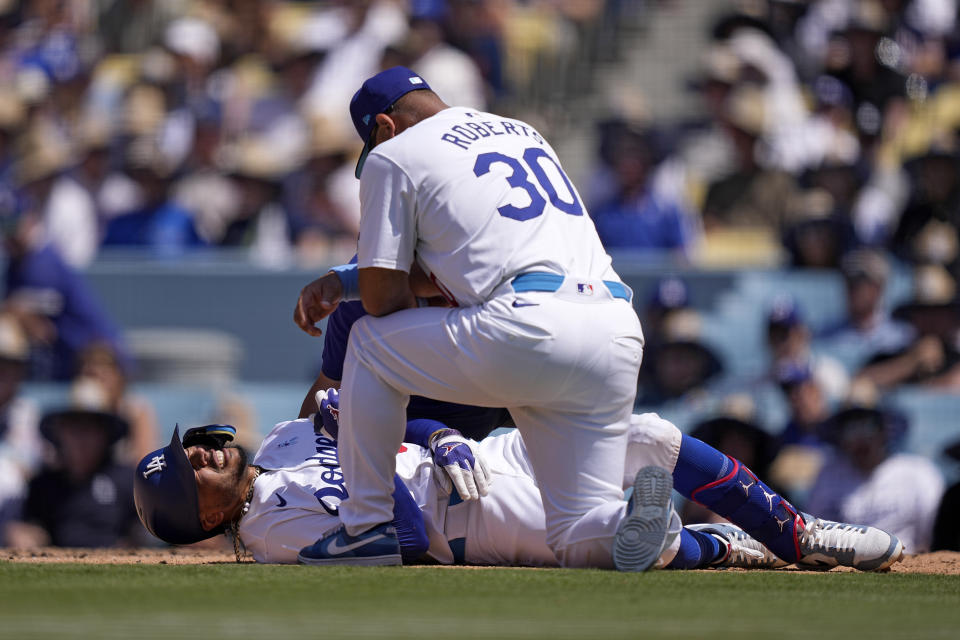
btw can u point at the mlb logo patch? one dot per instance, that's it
(416, 80)
(584, 289)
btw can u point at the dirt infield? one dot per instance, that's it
(940, 562)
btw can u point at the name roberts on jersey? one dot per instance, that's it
(469, 131)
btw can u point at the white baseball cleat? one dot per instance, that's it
(825, 544)
(743, 550)
(642, 534)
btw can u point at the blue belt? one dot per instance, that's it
(458, 545)
(544, 281)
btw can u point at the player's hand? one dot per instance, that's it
(317, 300)
(328, 401)
(462, 464)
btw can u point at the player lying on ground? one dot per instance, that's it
(291, 493)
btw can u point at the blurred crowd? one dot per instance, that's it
(177, 124)
(827, 137)
(830, 137)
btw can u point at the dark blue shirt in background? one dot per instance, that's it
(64, 296)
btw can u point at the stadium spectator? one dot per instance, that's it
(868, 329)
(261, 222)
(868, 479)
(816, 234)
(101, 385)
(752, 194)
(52, 301)
(159, 223)
(946, 527)
(638, 214)
(789, 341)
(19, 438)
(83, 498)
(806, 399)
(426, 50)
(933, 358)
(669, 299)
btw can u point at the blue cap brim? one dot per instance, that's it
(362, 159)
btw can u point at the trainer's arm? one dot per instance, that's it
(384, 291)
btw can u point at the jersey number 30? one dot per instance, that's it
(520, 179)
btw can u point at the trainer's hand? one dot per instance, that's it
(317, 300)
(464, 467)
(329, 402)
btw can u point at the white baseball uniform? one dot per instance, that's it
(478, 200)
(296, 498)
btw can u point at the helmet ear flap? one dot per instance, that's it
(215, 436)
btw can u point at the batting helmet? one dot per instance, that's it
(165, 490)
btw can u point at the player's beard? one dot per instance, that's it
(239, 473)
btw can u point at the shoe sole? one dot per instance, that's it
(368, 561)
(641, 535)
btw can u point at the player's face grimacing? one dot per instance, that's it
(220, 475)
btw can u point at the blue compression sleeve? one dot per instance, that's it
(697, 465)
(420, 430)
(408, 521)
(349, 275)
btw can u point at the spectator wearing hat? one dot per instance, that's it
(927, 232)
(866, 479)
(322, 196)
(946, 527)
(427, 51)
(789, 341)
(754, 194)
(83, 497)
(101, 385)
(816, 234)
(680, 365)
(868, 329)
(669, 299)
(808, 405)
(261, 223)
(933, 358)
(19, 438)
(640, 214)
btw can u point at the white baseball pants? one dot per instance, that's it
(564, 363)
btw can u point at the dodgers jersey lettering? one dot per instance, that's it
(297, 497)
(476, 199)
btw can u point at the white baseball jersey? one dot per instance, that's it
(296, 498)
(477, 199)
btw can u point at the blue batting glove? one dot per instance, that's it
(461, 462)
(328, 401)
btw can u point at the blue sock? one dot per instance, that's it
(697, 550)
(697, 465)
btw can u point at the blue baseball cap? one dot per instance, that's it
(165, 493)
(784, 312)
(670, 293)
(377, 95)
(789, 374)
